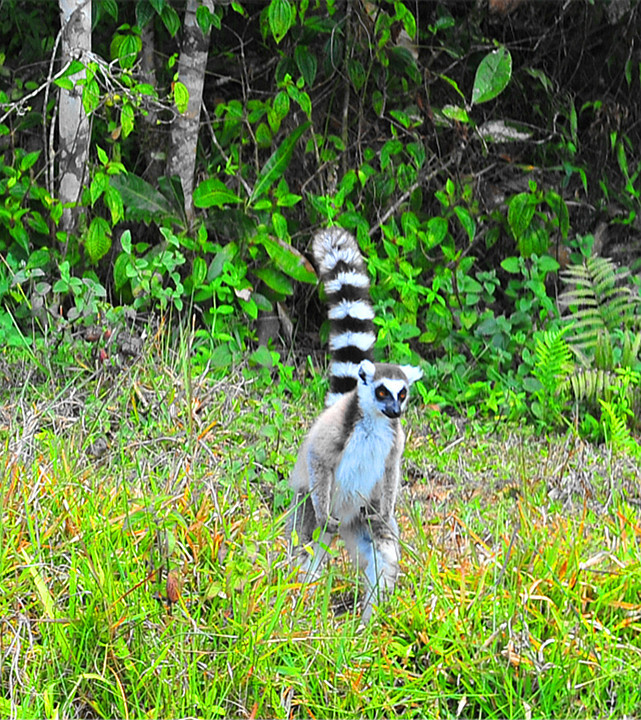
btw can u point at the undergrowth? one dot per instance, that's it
(144, 571)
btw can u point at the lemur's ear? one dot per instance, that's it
(366, 371)
(412, 373)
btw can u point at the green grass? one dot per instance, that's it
(521, 586)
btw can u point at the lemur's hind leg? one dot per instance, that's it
(307, 552)
(372, 543)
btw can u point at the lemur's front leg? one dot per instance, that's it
(311, 518)
(372, 541)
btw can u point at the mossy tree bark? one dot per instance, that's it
(73, 124)
(191, 72)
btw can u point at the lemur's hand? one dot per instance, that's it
(331, 525)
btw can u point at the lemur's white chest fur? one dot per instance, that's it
(362, 466)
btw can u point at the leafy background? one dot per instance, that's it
(476, 153)
(160, 357)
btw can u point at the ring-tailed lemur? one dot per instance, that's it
(348, 470)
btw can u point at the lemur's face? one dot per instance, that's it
(386, 387)
(391, 397)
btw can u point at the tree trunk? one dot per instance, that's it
(191, 72)
(73, 123)
(153, 143)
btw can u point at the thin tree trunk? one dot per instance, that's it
(73, 123)
(191, 72)
(152, 141)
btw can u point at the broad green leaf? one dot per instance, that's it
(127, 119)
(170, 19)
(389, 149)
(198, 271)
(280, 225)
(281, 105)
(468, 318)
(378, 102)
(511, 265)
(356, 73)
(75, 67)
(181, 96)
(98, 185)
(146, 89)
(263, 136)
(125, 49)
(417, 152)
(402, 117)
(287, 258)
(90, 96)
(125, 241)
(222, 356)
(287, 200)
(36, 221)
(277, 163)
(303, 99)
(492, 75)
(102, 155)
(548, 264)
(144, 12)
(205, 19)
(406, 17)
(306, 63)
(262, 356)
(275, 280)
(520, 213)
(98, 239)
(466, 220)
(214, 193)
(29, 160)
(217, 265)
(64, 83)
(142, 200)
(280, 15)
(113, 200)
(454, 112)
(121, 278)
(436, 231)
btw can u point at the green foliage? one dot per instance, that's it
(492, 76)
(456, 182)
(619, 412)
(605, 313)
(26, 209)
(552, 365)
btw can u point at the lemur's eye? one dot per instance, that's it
(403, 394)
(381, 392)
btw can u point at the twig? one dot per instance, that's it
(422, 179)
(48, 145)
(348, 49)
(214, 139)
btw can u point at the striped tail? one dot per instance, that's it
(343, 272)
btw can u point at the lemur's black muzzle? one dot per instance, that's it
(392, 408)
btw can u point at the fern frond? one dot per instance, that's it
(616, 427)
(591, 385)
(631, 348)
(600, 305)
(553, 358)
